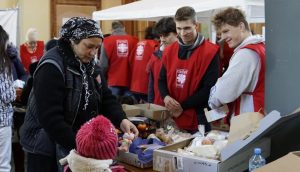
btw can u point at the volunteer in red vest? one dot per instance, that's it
(138, 63)
(190, 68)
(114, 59)
(32, 50)
(166, 29)
(242, 85)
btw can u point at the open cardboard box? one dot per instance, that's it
(234, 157)
(131, 110)
(132, 159)
(288, 163)
(153, 111)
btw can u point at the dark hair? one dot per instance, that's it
(117, 25)
(4, 59)
(231, 16)
(51, 44)
(186, 13)
(150, 34)
(165, 26)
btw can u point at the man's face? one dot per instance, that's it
(86, 49)
(233, 35)
(187, 31)
(168, 38)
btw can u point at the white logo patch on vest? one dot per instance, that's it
(181, 77)
(122, 48)
(140, 51)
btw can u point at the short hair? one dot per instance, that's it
(165, 26)
(186, 13)
(230, 16)
(150, 34)
(117, 25)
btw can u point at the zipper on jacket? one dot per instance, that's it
(76, 110)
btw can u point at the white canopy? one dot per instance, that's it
(153, 10)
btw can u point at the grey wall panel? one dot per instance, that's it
(283, 55)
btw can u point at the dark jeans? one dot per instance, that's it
(38, 163)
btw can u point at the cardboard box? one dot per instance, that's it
(132, 159)
(288, 163)
(131, 110)
(168, 160)
(153, 111)
(234, 157)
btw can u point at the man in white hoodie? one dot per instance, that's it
(242, 85)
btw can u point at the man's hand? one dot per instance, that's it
(128, 127)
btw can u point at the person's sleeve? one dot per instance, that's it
(200, 97)
(103, 60)
(26, 91)
(49, 90)
(20, 70)
(162, 82)
(7, 90)
(112, 109)
(236, 80)
(151, 88)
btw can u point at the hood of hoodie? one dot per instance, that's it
(253, 39)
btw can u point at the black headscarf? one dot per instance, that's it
(77, 28)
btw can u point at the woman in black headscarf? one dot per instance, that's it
(68, 90)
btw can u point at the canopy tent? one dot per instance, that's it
(153, 10)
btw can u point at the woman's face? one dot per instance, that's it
(86, 49)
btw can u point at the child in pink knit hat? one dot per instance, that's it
(96, 143)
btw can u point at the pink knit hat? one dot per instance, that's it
(97, 139)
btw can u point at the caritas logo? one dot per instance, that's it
(122, 48)
(139, 51)
(181, 77)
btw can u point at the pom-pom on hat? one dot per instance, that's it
(97, 139)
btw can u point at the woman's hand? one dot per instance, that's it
(128, 127)
(171, 104)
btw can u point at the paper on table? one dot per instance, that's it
(243, 125)
(216, 114)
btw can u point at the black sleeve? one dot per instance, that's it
(112, 109)
(22, 75)
(200, 98)
(162, 82)
(26, 91)
(49, 90)
(151, 88)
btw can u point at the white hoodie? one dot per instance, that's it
(241, 76)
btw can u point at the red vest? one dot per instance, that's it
(259, 91)
(118, 49)
(184, 76)
(138, 63)
(155, 64)
(27, 58)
